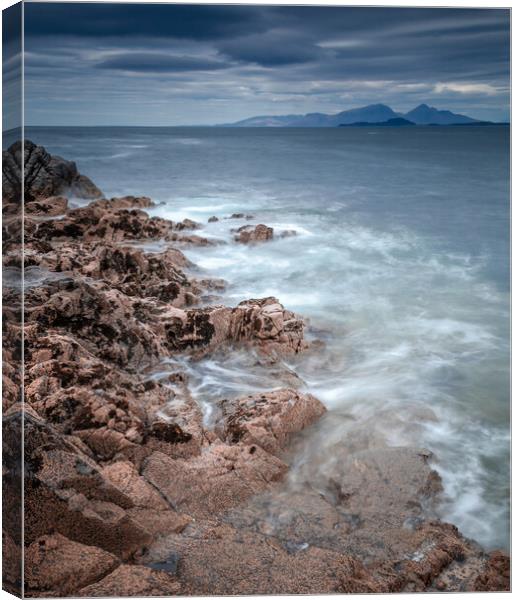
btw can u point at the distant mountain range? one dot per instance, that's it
(374, 114)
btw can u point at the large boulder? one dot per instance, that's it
(44, 175)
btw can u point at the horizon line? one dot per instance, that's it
(230, 126)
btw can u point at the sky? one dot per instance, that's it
(157, 64)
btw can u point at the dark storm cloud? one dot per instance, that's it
(153, 62)
(126, 20)
(272, 48)
(237, 61)
(11, 66)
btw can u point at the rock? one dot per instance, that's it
(130, 270)
(273, 328)
(240, 216)
(110, 323)
(495, 574)
(60, 566)
(66, 492)
(267, 420)
(113, 418)
(219, 478)
(128, 202)
(213, 219)
(11, 559)
(150, 510)
(220, 560)
(48, 207)
(187, 224)
(248, 234)
(110, 221)
(44, 175)
(264, 323)
(389, 481)
(288, 233)
(133, 580)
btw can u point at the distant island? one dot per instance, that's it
(372, 115)
(396, 122)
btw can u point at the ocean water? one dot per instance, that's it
(400, 263)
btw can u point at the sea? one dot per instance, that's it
(400, 263)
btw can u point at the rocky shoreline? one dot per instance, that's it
(127, 491)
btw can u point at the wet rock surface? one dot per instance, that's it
(249, 235)
(127, 490)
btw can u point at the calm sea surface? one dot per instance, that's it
(401, 263)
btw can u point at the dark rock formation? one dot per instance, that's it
(44, 175)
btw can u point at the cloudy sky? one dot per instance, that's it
(126, 64)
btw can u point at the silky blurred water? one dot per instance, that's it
(401, 263)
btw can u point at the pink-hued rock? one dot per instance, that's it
(128, 202)
(150, 508)
(113, 220)
(264, 323)
(220, 477)
(269, 419)
(220, 560)
(11, 557)
(47, 207)
(111, 411)
(60, 566)
(133, 580)
(66, 492)
(248, 234)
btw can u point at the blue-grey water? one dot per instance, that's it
(401, 262)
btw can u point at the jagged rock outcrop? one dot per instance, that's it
(65, 491)
(264, 322)
(112, 220)
(44, 175)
